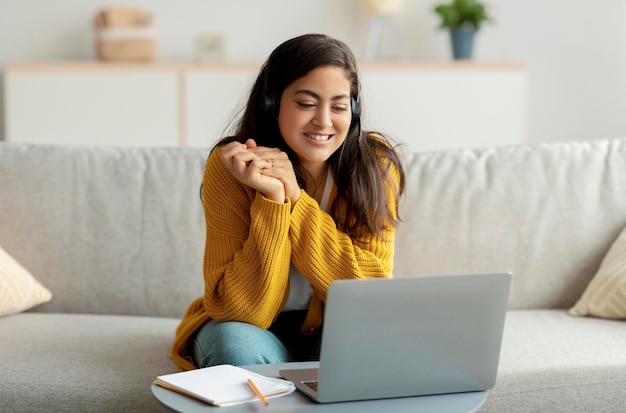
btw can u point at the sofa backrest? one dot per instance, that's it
(121, 230)
(106, 230)
(546, 212)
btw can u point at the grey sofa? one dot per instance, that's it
(117, 235)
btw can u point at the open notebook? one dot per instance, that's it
(224, 385)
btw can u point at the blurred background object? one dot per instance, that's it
(463, 18)
(210, 48)
(124, 33)
(383, 14)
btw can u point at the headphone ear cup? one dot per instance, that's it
(355, 107)
(268, 104)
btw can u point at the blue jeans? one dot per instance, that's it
(242, 344)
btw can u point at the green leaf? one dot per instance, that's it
(459, 13)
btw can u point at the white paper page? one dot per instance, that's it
(226, 384)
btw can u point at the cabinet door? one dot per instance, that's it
(446, 109)
(121, 108)
(213, 99)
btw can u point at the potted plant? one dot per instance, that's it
(463, 18)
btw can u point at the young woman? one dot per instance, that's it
(299, 197)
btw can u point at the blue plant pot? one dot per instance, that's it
(462, 42)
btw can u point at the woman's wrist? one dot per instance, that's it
(294, 198)
(278, 196)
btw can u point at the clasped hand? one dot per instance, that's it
(268, 170)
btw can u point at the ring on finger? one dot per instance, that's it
(272, 161)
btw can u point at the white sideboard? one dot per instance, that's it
(428, 105)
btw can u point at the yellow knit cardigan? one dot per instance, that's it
(250, 243)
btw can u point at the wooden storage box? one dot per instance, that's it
(124, 34)
(126, 49)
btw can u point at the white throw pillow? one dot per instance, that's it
(605, 296)
(19, 290)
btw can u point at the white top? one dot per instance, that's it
(300, 290)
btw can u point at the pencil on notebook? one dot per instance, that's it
(256, 390)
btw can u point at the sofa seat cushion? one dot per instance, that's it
(554, 362)
(550, 361)
(83, 363)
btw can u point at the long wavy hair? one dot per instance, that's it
(361, 167)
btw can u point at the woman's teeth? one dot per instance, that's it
(317, 137)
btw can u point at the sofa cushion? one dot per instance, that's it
(554, 362)
(19, 290)
(605, 295)
(108, 230)
(546, 212)
(83, 363)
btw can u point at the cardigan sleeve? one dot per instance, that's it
(247, 250)
(323, 253)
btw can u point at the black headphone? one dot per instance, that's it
(269, 102)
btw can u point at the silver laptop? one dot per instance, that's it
(410, 336)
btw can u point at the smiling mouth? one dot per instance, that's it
(320, 138)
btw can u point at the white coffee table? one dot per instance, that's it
(297, 402)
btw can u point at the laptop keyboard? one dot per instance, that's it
(311, 384)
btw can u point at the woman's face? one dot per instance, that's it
(315, 114)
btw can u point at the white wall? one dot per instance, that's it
(574, 50)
